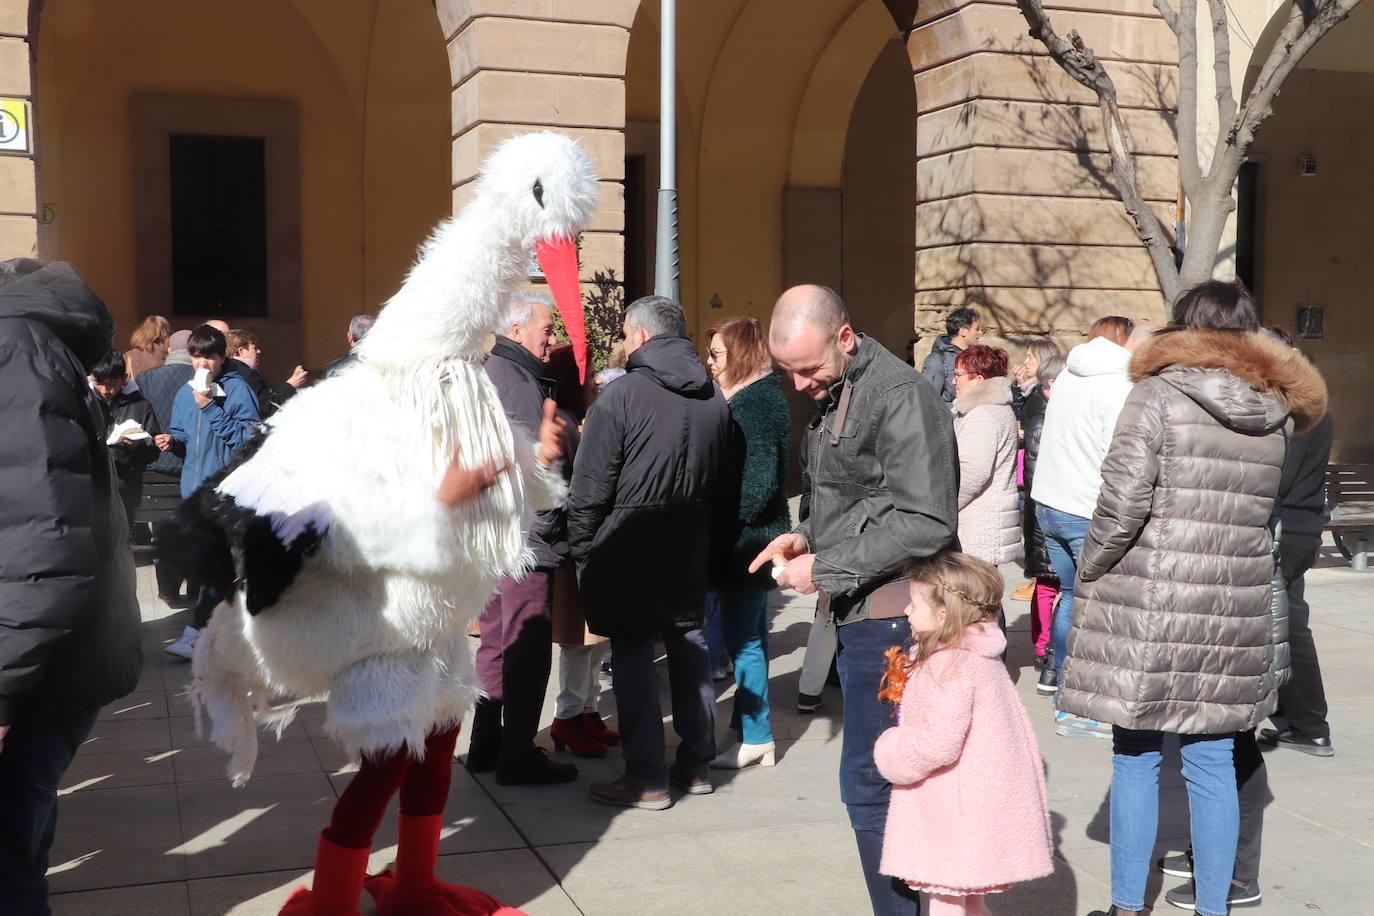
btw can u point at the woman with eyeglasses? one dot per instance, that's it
(737, 357)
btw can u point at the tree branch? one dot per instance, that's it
(1307, 24)
(1079, 61)
(1221, 70)
(1189, 166)
(1167, 12)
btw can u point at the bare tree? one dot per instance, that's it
(1208, 191)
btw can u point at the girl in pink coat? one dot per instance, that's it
(968, 814)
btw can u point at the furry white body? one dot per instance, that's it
(376, 619)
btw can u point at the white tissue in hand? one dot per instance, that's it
(129, 429)
(201, 384)
(777, 572)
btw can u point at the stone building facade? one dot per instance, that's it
(914, 155)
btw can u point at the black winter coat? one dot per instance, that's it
(655, 490)
(69, 619)
(1302, 488)
(131, 461)
(1032, 425)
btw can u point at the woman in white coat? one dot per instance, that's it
(985, 430)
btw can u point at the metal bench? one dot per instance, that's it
(1350, 510)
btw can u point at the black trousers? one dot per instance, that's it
(1252, 784)
(38, 750)
(639, 711)
(1303, 699)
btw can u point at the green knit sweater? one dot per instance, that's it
(760, 411)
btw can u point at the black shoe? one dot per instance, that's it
(1048, 685)
(1317, 747)
(1112, 911)
(1180, 865)
(1242, 893)
(807, 703)
(479, 761)
(1040, 662)
(532, 768)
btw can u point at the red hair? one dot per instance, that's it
(980, 359)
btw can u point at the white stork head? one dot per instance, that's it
(535, 192)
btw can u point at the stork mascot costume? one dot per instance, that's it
(372, 517)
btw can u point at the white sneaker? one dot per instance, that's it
(739, 756)
(185, 646)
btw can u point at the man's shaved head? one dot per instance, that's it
(810, 338)
(818, 306)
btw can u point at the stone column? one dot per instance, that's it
(18, 183)
(523, 65)
(1016, 211)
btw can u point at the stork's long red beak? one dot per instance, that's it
(558, 260)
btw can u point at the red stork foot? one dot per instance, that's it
(438, 899)
(303, 902)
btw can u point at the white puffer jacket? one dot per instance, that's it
(1079, 421)
(989, 512)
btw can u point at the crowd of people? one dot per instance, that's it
(1160, 486)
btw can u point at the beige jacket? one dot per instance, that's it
(1171, 622)
(989, 512)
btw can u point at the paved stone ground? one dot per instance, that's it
(149, 825)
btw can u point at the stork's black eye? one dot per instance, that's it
(539, 193)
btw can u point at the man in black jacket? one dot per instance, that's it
(69, 628)
(515, 654)
(1302, 510)
(882, 475)
(159, 386)
(652, 509)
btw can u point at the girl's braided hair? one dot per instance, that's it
(970, 591)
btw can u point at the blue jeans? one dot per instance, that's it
(859, 659)
(38, 750)
(1210, 772)
(744, 613)
(1064, 534)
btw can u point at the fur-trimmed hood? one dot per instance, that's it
(990, 391)
(1249, 382)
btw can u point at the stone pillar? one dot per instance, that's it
(522, 65)
(18, 182)
(1016, 211)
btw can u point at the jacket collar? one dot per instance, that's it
(1262, 362)
(989, 391)
(507, 349)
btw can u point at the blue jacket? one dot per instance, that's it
(209, 437)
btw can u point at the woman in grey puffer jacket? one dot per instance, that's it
(1171, 626)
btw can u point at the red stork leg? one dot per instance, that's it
(412, 888)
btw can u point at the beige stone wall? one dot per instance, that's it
(1016, 209)
(1316, 246)
(18, 185)
(522, 65)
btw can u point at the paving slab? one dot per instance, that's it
(148, 823)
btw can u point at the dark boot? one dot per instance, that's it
(532, 767)
(484, 745)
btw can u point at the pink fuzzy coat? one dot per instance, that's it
(968, 812)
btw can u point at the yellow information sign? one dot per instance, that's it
(14, 125)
